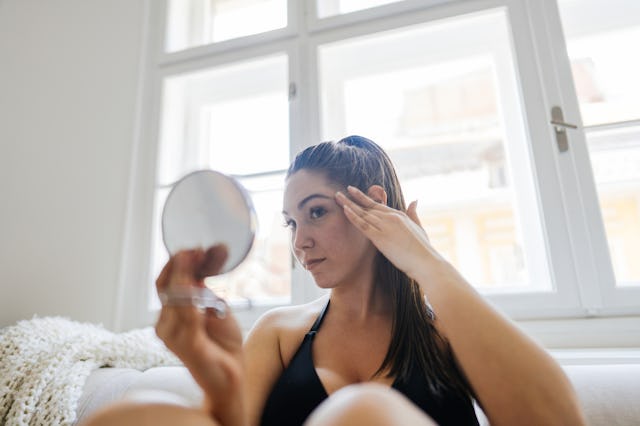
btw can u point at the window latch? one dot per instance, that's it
(293, 91)
(560, 128)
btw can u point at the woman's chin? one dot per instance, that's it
(323, 282)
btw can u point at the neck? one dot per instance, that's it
(359, 302)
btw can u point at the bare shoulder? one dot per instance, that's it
(285, 327)
(290, 317)
(269, 347)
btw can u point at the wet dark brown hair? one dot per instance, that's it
(415, 344)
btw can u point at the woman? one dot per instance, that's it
(375, 345)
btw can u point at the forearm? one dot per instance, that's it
(224, 399)
(516, 381)
(219, 373)
(230, 412)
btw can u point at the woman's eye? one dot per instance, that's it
(317, 212)
(288, 223)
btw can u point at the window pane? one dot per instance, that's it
(328, 8)
(234, 119)
(601, 38)
(196, 22)
(615, 158)
(265, 277)
(243, 136)
(442, 99)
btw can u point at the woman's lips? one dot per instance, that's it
(311, 264)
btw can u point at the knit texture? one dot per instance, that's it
(44, 363)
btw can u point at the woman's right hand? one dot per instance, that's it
(209, 345)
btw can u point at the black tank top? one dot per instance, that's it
(299, 391)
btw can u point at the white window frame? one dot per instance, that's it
(575, 237)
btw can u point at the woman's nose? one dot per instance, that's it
(302, 238)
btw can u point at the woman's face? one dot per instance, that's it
(322, 238)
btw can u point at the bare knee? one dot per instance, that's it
(370, 404)
(130, 414)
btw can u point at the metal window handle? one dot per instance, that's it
(563, 125)
(560, 128)
(293, 91)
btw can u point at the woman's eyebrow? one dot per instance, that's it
(311, 197)
(307, 199)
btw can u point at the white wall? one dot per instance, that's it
(68, 88)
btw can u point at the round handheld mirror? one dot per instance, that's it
(203, 209)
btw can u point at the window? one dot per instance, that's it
(460, 95)
(204, 125)
(608, 89)
(448, 114)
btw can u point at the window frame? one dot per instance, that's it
(575, 238)
(592, 262)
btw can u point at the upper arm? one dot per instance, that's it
(263, 364)
(513, 378)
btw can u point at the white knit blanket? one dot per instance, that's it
(44, 363)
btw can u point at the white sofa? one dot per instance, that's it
(610, 393)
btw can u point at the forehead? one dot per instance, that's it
(303, 183)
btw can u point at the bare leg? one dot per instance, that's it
(132, 414)
(368, 404)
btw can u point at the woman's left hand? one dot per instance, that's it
(473, 329)
(397, 234)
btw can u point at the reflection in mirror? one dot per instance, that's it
(203, 209)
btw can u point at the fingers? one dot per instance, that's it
(363, 218)
(181, 283)
(361, 198)
(357, 220)
(413, 215)
(368, 215)
(183, 274)
(190, 267)
(412, 212)
(162, 282)
(184, 268)
(214, 259)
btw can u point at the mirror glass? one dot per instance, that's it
(205, 208)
